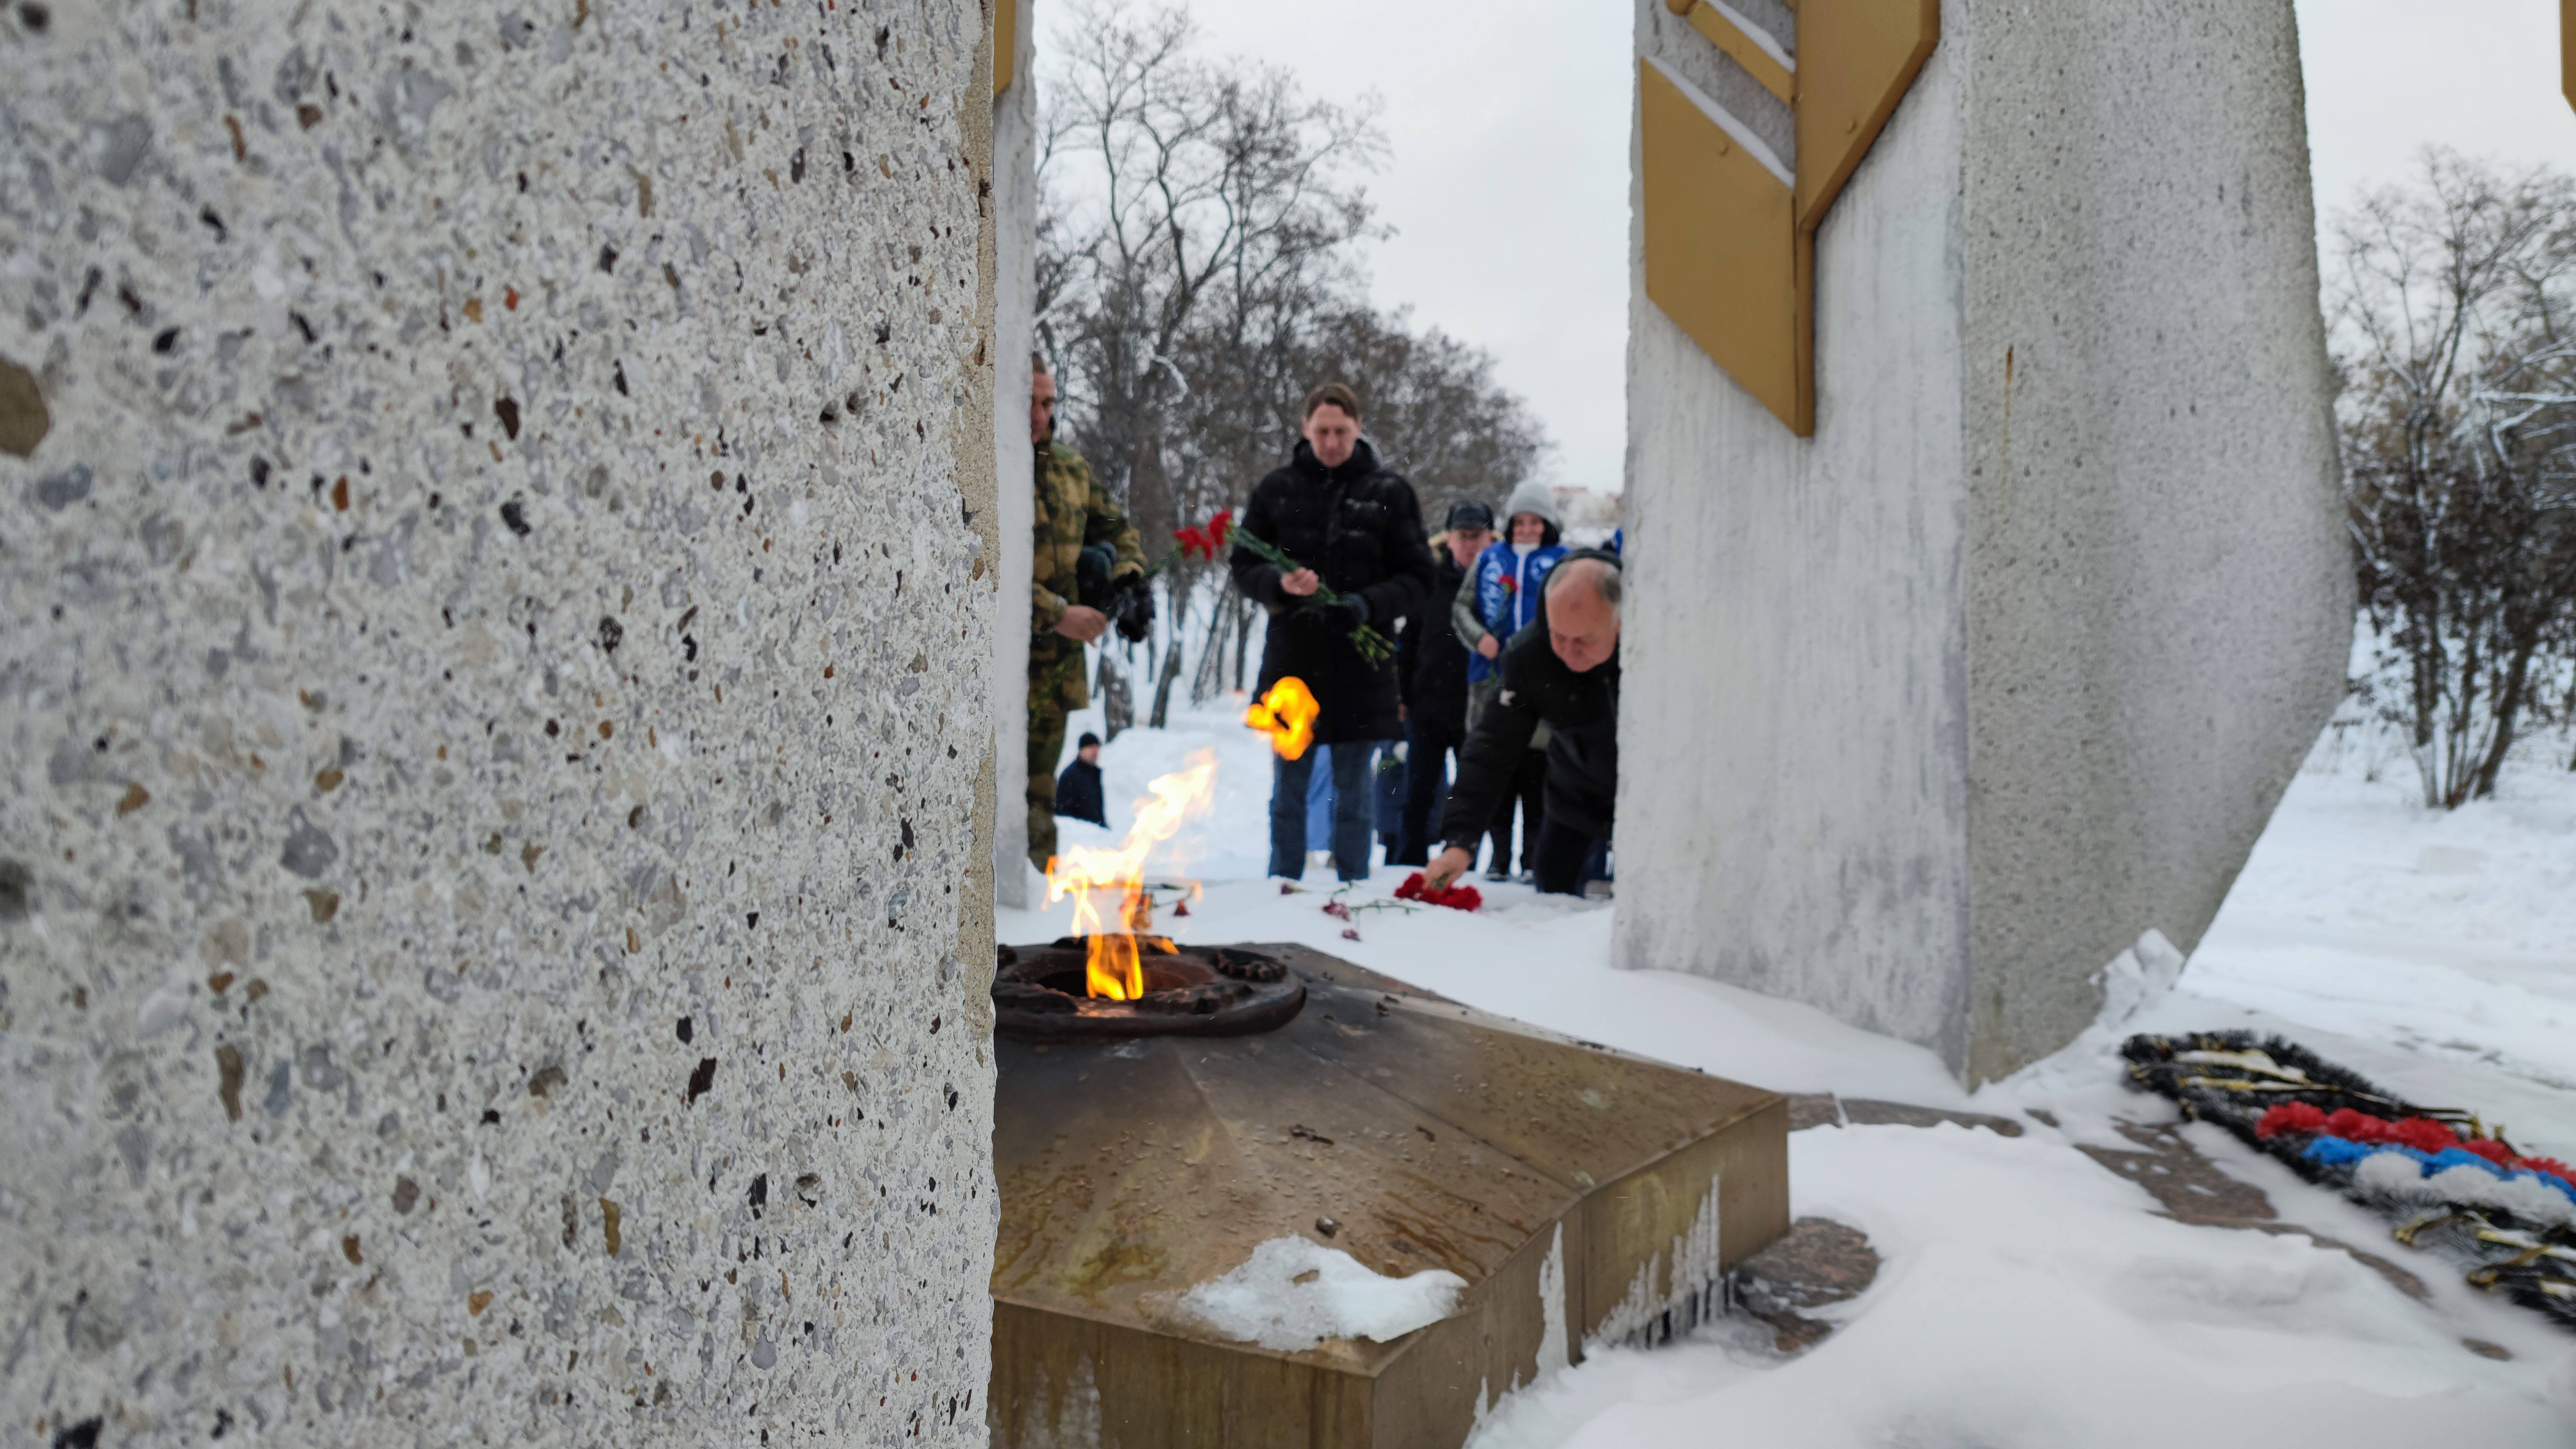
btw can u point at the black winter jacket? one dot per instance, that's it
(1430, 663)
(1078, 795)
(1360, 528)
(1582, 715)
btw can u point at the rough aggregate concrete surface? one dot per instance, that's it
(1015, 244)
(2010, 662)
(1793, 807)
(2158, 586)
(494, 915)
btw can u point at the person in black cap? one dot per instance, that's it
(1431, 667)
(1077, 791)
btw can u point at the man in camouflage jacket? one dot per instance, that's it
(1072, 511)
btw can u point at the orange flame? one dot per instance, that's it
(1114, 966)
(1286, 714)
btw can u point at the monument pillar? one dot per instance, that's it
(1015, 222)
(1987, 546)
(494, 894)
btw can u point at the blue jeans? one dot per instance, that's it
(1319, 792)
(1352, 802)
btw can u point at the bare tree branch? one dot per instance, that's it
(1198, 271)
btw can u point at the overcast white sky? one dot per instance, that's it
(1508, 190)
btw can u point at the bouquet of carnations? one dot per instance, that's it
(1456, 897)
(1371, 644)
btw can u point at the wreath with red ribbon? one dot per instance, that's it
(2447, 1179)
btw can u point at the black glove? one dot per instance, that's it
(1132, 610)
(1354, 608)
(1094, 586)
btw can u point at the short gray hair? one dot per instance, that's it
(1603, 573)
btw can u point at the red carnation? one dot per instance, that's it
(1206, 542)
(2423, 1134)
(2549, 1165)
(1457, 898)
(2292, 1117)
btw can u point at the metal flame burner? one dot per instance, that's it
(1038, 994)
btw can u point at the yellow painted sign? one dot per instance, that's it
(1006, 43)
(2567, 49)
(1730, 230)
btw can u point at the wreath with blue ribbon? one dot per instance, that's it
(2449, 1181)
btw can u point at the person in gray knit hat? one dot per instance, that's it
(1499, 599)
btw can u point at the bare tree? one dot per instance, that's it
(2459, 432)
(1197, 273)
(1434, 409)
(1189, 198)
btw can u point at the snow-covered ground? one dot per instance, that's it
(2027, 1295)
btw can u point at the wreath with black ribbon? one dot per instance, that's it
(2449, 1181)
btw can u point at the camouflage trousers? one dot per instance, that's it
(1053, 680)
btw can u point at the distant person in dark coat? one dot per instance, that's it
(1563, 671)
(1357, 528)
(1388, 786)
(1431, 663)
(1078, 795)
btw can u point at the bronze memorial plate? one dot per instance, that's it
(1584, 1195)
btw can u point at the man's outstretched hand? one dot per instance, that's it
(1080, 622)
(1447, 866)
(1300, 583)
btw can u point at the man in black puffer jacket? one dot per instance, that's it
(1563, 670)
(1357, 529)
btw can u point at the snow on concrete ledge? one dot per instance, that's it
(1295, 1293)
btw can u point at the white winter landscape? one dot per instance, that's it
(2028, 1296)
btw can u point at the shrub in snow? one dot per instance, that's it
(2459, 447)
